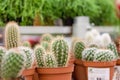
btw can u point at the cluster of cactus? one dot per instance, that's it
(57, 57)
(12, 35)
(26, 44)
(46, 37)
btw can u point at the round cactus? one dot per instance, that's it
(88, 54)
(104, 55)
(26, 44)
(112, 47)
(45, 45)
(12, 64)
(39, 52)
(60, 50)
(46, 37)
(2, 53)
(29, 56)
(49, 60)
(78, 48)
(12, 35)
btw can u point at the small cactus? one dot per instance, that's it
(112, 47)
(12, 35)
(46, 37)
(88, 54)
(45, 45)
(104, 55)
(95, 32)
(60, 50)
(2, 53)
(78, 48)
(50, 61)
(26, 44)
(12, 64)
(29, 56)
(39, 52)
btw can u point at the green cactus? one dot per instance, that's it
(104, 55)
(12, 64)
(61, 51)
(78, 48)
(2, 53)
(88, 54)
(12, 35)
(45, 45)
(46, 37)
(112, 47)
(39, 52)
(29, 56)
(49, 60)
(27, 44)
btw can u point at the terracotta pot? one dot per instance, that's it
(62, 73)
(79, 70)
(29, 73)
(118, 62)
(72, 60)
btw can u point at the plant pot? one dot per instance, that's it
(61, 73)
(100, 66)
(118, 62)
(29, 73)
(79, 70)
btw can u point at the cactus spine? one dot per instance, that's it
(29, 56)
(49, 60)
(12, 35)
(12, 64)
(39, 52)
(78, 48)
(46, 37)
(61, 51)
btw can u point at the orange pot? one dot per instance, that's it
(29, 73)
(62, 73)
(118, 62)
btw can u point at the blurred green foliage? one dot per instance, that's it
(101, 12)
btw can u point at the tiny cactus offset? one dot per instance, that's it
(61, 51)
(26, 44)
(12, 35)
(46, 37)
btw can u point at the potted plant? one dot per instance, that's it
(54, 65)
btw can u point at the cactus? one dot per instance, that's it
(88, 54)
(12, 64)
(46, 37)
(49, 60)
(45, 45)
(26, 44)
(78, 48)
(39, 52)
(104, 55)
(95, 32)
(112, 47)
(2, 53)
(61, 51)
(12, 35)
(29, 56)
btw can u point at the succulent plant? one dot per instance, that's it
(112, 47)
(45, 45)
(2, 53)
(104, 55)
(29, 56)
(78, 48)
(60, 50)
(26, 44)
(50, 60)
(39, 53)
(95, 32)
(12, 64)
(88, 54)
(46, 37)
(12, 35)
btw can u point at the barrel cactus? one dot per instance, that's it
(112, 47)
(78, 48)
(12, 35)
(50, 60)
(45, 45)
(2, 53)
(88, 54)
(61, 51)
(104, 55)
(26, 44)
(12, 64)
(29, 56)
(46, 37)
(39, 53)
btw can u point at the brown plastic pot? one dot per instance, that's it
(29, 73)
(118, 62)
(62, 73)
